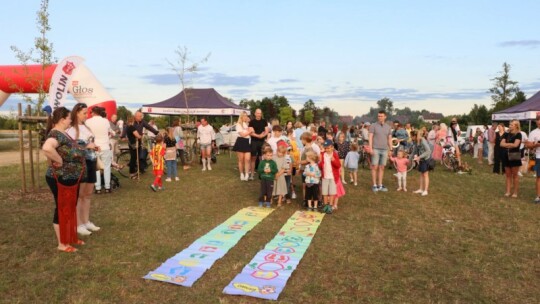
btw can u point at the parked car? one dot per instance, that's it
(229, 135)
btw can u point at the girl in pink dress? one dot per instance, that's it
(440, 140)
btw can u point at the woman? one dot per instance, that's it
(66, 167)
(343, 147)
(497, 151)
(478, 140)
(511, 157)
(242, 146)
(440, 141)
(422, 156)
(178, 134)
(85, 138)
(289, 128)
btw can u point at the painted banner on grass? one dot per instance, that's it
(189, 265)
(266, 275)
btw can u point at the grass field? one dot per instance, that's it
(463, 243)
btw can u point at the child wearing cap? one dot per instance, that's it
(329, 165)
(276, 136)
(280, 184)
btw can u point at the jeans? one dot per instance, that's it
(106, 157)
(171, 168)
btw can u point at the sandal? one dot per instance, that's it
(68, 249)
(79, 242)
(507, 194)
(514, 195)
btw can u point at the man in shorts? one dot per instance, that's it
(260, 130)
(380, 145)
(206, 137)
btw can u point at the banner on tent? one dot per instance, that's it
(266, 275)
(194, 111)
(189, 265)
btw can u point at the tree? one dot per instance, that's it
(308, 116)
(44, 56)
(504, 89)
(479, 115)
(387, 105)
(123, 113)
(286, 114)
(185, 65)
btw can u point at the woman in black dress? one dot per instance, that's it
(510, 146)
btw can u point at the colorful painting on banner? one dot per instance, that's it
(267, 274)
(186, 267)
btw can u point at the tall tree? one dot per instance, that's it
(286, 114)
(185, 65)
(504, 89)
(387, 105)
(479, 115)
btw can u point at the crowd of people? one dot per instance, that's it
(80, 153)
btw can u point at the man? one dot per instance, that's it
(321, 131)
(453, 134)
(491, 145)
(134, 134)
(260, 130)
(115, 135)
(534, 143)
(101, 128)
(206, 138)
(380, 145)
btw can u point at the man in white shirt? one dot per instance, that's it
(101, 128)
(206, 137)
(534, 143)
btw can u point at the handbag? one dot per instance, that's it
(514, 156)
(99, 164)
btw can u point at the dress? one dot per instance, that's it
(280, 185)
(510, 138)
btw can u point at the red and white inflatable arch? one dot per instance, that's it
(69, 76)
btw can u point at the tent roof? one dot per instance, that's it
(526, 110)
(199, 102)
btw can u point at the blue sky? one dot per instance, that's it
(437, 55)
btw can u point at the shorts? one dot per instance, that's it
(312, 192)
(328, 187)
(423, 166)
(206, 146)
(256, 147)
(90, 177)
(379, 157)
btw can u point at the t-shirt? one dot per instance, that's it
(72, 157)
(380, 135)
(267, 164)
(241, 127)
(129, 133)
(101, 128)
(452, 138)
(85, 137)
(259, 126)
(510, 139)
(523, 139)
(206, 134)
(535, 138)
(312, 168)
(327, 167)
(157, 157)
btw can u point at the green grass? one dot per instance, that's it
(464, 243)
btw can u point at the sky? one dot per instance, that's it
(434, 55)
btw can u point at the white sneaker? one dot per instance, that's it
(209, 168)
(418, 191)
(168, 179)
(90, 226)
(356, 184)
(520, 174)
(242, 177)
(293, 195)
(204, 168)
(424, 193)
(344, 182)
(251, 176)
(352, 180)
(177, 178)
(81, 229)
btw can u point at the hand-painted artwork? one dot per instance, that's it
(188, 266)
(267, 273)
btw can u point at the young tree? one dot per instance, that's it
(286, 114)
(504, 89)
(41, 54)
(308, 116)
(184, 65)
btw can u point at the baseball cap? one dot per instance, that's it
(282, 143)
(328, 143)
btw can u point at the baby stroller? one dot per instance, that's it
(115, 182)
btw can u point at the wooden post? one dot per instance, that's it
(31, 150)
(21, 148)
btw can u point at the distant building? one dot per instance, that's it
(431, 117)
(403, 119)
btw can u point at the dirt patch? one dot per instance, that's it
(14, 158)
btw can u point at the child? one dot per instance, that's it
(329, 165)
(158, 151)
(294, 153)
(401, 164)
(267, 172)
(276, 136)
(343, 147)
(280, 185)
(313, 177)
(170, 155)
(351, 163)
(309, 145)
(422, 156)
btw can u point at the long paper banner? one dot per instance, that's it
(266, 275)
(189, 265)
